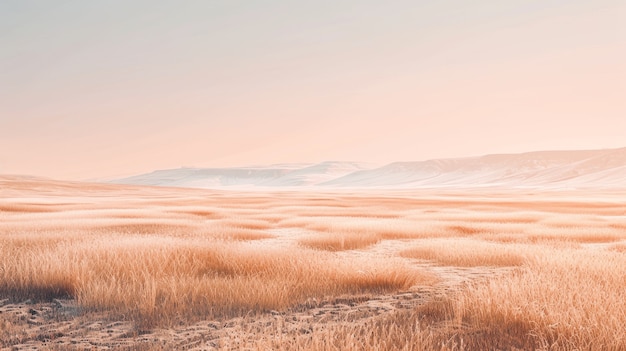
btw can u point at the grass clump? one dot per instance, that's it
(465, 253)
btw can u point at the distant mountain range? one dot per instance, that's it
(542, 169)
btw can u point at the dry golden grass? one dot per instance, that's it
(199, 211)
(561, 300)
(579, 234)
(162, 257)
(158, 279)
(339, 241)
(245, 223)
(398, 331)
(337, 233)
(383, 228)
(464, 252)
(360, 211)
(241, 234)
(101, 226)
(621, 247)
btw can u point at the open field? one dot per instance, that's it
(88, 266)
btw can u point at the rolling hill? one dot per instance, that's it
(541, 169)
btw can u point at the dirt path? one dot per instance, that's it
(59, 324)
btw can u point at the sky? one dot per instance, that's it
(101, 89)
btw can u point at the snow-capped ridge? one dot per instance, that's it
(553, 169)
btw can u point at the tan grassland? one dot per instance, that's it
(93, 266)
(465, 252)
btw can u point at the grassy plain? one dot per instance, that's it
(183, 268)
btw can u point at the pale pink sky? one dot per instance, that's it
(100, 89)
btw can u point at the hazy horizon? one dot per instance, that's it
(298, 166)
(95, 90)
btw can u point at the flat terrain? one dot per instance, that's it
(93, 266)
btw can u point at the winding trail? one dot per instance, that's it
(59, 324)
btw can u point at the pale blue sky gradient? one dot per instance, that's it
(93, 89)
